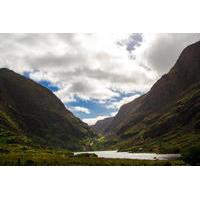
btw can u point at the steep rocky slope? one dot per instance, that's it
(36, 113)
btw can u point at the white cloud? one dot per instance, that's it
(93, 66)
(80, 109)
(112, 114)
(92, 121)
(86, 89)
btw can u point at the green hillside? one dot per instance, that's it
(173, 131)
(36, 113)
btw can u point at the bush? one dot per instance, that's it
(192, 156)
(86, 155)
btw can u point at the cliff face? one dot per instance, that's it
(38, 113)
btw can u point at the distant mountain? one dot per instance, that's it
(101, 125)
(29, 110)
(171, 109)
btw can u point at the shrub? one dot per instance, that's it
(86, 155)
(192, 156)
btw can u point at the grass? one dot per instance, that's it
(18, 150)
(168, 143)
(173, 131)
(53, 158)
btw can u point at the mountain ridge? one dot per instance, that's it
(135, 120)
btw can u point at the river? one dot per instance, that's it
(126, 155)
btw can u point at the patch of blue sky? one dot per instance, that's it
(95, 108)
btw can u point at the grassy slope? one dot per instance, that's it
(170, 132)
(18, 149)
(39, 113)
(48, 158)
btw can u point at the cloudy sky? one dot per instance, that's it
(93, 74)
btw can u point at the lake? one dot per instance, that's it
(126, 155)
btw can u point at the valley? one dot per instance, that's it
(37, 129)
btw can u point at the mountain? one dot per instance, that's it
(101, 125)
(29, 111)
(167, 118)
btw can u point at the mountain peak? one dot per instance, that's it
(4, 69)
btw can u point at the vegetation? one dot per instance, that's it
(174, 131)
(86, 155)
(192, 156)
(16, 149)
(36, 128)
(32, 110)
(64, 158)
